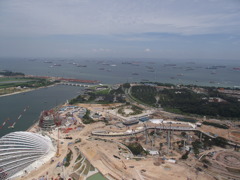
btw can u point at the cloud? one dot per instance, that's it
(89, 27)
(28, 17)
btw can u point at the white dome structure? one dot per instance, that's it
(20, 149)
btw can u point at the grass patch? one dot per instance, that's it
(186, 120)
(79, 157)
(68, 159)
(3, 79)
(135, 110)
(87, 119)
(136, 149)
(103, 92)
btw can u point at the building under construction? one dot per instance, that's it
(49, 119)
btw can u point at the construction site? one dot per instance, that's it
(154, 146)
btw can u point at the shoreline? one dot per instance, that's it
(25, 91)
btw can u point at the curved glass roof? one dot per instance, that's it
(20, 149)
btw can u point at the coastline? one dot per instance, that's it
(24, 91)
(31, 128)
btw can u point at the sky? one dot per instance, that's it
(177, 29)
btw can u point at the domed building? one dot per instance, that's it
(21, 150)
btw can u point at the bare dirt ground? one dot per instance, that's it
(102, 155)
(231, 134)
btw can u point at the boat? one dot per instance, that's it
(149, 67)
(19, 116)
(12, 126)
(151, 70)
(189, 69)
(236, 68)
(126, 63)
(81, 65)
(215, 67)
(211, 67)
(165, 65)
(57, 65)
(107, 64)
(47, 61)
(4, 123)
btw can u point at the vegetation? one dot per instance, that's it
(136, 110)
(222, 126)
(183, 134)
(186, 120)
(79, 157)
(15, 84)
(185, 156)
(102, 92)
(218, 141)
(186, 101)
(159, 84)
(87, 119)
(136, 149)
(68, 159)
(145, 94)
(24, 82)
(196, 146)
(10, 73)
(126, 85)
(105, 96)
(78, 99)
(204, 160)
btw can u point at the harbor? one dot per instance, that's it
(34, 102)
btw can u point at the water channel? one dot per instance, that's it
(25, 108)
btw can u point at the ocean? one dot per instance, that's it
(205, 73)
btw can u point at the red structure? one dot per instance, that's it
(49, 119)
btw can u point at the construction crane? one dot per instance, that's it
(58, 154)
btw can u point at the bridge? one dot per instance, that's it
(167, 128)
(75, 84)
(117, 134)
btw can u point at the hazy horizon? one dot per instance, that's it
(150, 29)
